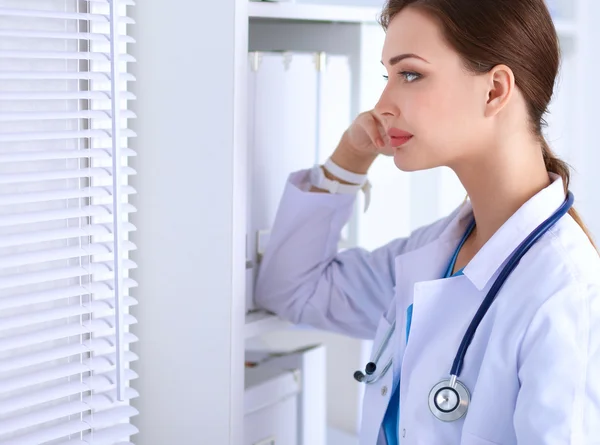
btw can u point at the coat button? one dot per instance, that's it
(403, 432)
(384, 390)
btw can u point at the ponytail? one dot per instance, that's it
(561, 168)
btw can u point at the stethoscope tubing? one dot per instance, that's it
(519, 252)
(384, 343)
(517, 255)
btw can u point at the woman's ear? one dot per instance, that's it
(500, 89)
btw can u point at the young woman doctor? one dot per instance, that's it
(486, 324)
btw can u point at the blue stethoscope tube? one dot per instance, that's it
(510, 266)
(449, 399)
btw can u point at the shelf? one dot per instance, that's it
(261, 322)
(314, 13)
(349, 14)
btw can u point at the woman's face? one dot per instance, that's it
(430, 95)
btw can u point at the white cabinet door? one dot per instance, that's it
(282, 122)
(298, 108)
(334, 103)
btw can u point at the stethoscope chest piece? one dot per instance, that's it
(449, 400)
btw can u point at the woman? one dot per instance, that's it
(469, 82)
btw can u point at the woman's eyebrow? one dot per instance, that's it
(394, 60)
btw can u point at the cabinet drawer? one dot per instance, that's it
(271, 406)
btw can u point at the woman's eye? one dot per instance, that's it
(410, 76)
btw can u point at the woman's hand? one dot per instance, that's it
(368, 135)
(361, 143)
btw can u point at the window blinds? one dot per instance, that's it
(64, 282)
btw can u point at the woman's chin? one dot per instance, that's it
(405, 162)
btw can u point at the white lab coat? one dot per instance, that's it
(533, 368)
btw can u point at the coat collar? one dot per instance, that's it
(502, 244)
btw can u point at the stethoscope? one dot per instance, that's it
(450, 398)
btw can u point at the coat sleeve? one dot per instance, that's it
(304, 279)
(559, 372)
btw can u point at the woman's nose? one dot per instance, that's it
(385, 106)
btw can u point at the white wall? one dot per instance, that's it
(589, 201)
(191, 380)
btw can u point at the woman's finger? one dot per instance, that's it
(374, 130)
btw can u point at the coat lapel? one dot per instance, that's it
(426, 263)
(422, 265)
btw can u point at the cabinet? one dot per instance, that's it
(336, 51)
(192, 107)
(307, 416)
(271, 406)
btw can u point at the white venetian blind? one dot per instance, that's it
(64, 282)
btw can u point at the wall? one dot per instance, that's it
(589, 202)
(190, 359)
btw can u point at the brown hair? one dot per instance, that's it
(516, 33)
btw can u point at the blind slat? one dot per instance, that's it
(61, 15)
(28, 278)
(100, 345)
(97, 308)
(45, 395)
(99, 289)
(63, 95)
(104, 230)
(100, 363)
(63, 135)
(50, 433)
(97, 382)
(98, 420)
(62, 35)
(53, 175)
(88, 192)
(109, 417)
(63, 75)
(56, 333)
(63, 55)
(53, 215)
(63, 253)
(92, 153)
(100, 402)
(98, 115)
(105, 437)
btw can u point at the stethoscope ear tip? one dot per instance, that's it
(359, 376)
(371, 368)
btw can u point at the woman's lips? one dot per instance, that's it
(399, 137)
